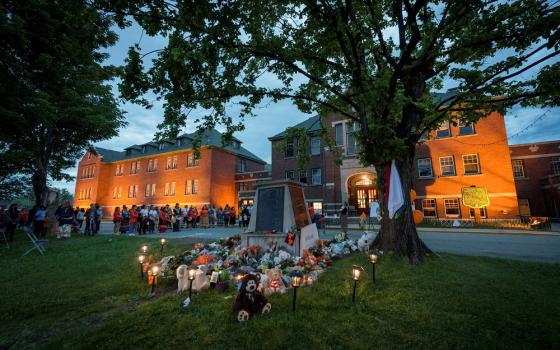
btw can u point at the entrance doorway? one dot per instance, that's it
(361, 192)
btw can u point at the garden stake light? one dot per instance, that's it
(141, 259)
(155, 271)
(373, 261)
(162, 243)
(144, 249)
(356, 271)
(296, 283)
(191, 279)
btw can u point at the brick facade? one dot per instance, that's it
(350, 181)
(178, 177)
(537, 177)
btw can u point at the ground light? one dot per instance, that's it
(162, 243)
(155, 271)
(296, 283)
(373, 261)
(141, 259)
(356, 272)
(192, 273)
(144, 249)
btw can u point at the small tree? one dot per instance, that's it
(375, 62)
(54, 96)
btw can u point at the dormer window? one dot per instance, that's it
(179, 142)
(161, 146)
(143, 149)
(128, 152)
(89, 155)
(236, 144)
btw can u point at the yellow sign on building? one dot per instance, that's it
(475, 197)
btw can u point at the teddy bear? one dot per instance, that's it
(200, 281)
(249, 300)
(366, 240)
(274, 282)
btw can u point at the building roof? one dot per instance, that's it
(212, 138)
(311, 125)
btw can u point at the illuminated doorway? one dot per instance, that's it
(361, 192)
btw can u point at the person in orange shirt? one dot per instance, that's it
(204, 217)
(133, 219)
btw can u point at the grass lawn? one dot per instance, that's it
(87, 293)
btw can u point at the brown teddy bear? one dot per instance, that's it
(249, 300)
(274, 283)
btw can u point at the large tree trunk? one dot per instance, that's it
(399, 235)
(40, 189)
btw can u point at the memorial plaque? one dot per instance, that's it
(270, 209)
(298, 206)
(475, 197)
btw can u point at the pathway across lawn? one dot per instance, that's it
(86, 293)
(541, 248)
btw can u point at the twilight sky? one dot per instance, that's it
(273, 118)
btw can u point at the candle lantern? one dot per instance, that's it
(144, 249)
(162, 243)
(373, 261)
(141, 260)
(155, 272)
(296, 281)
(192, 274)
(356, 272)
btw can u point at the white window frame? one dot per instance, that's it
(483, 214)
(293, 148)
(465, 164)
(293, 177)
(314, 172)
(304, 173)
(192, 161)
(445, 206)
(518, 168)
(241, 165)
(188, 187)
(442, 128)
(434, 207)
(555, 165)
(338, 135)
(315, 145)
(452, 164)
(431, 168)
(463, 125)
(194, 186)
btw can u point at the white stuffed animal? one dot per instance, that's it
(200, 282)
(365, 241)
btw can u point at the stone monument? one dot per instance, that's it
(278, 207)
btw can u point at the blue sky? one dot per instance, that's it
(275, 117)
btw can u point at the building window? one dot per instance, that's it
(447, 166)
(135, 167)
(169, 189)
(482, 211)
(152, 165)
(351, 128)
(191, 187)
(242, 186)
(241, 164)
(150, 190)
(524, 208)
(470, 164)
(466, 128)
(161, 146)
(452, 209)
(443, 130)
(88, 172)
(429, 208)
(518, 170)
(171, 163)
(555, 165)
(316, 176)
(303, 176)
(425, 167)
(117, 192)
(89, 155)
(315, 145)
(424, 136)
(236, 144)
(289, 148)
(318, 208)
(339, 134)
(192, 161)
(290, 175)
(119, 170)
(132, 191)
(179, 142)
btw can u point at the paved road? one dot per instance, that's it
(542, 248)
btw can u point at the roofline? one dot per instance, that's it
(534, 143)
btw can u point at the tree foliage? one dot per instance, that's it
(375, 62)
(54, 93)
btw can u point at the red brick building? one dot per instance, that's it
(536, 169)
(166, 173)
(451, 158)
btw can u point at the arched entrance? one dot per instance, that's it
(361, 192)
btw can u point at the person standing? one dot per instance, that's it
(144, 219)
(204, 217)
(125, 219)
(80, 214)
(232, 216)
(117, 218)
(163, 219)
(212, 216)
(344, 218)
(11, 222)
(311, 211)
(152, 219)
(133, 219)
(98, 217)
(220, 216)
(65, 218)
(226, 215)
(185, 215)
(245, 216)
(90, 221)
(194, 214)
(39, 222)
(23, 217)
(176, 217)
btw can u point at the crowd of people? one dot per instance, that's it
(138, 219)
(144, 219)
